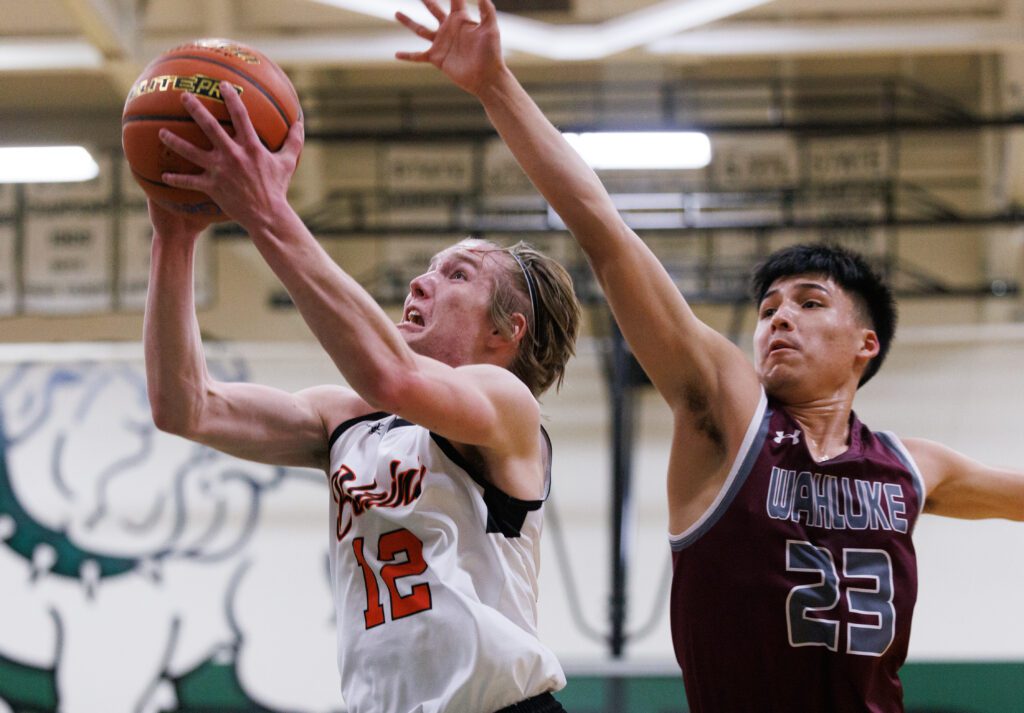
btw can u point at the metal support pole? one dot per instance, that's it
(621, 396)
(622, 474)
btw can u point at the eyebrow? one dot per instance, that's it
(801, 285)
(462, 255)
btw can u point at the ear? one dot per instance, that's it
(870, 346)
(518, 332)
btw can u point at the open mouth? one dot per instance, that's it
(413, 316)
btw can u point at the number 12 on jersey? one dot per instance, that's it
(389, 547)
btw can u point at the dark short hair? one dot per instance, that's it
(851, 272)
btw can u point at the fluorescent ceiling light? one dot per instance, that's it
(46, 164)
(48, 54)
(643, 149)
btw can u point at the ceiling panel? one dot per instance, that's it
(320, 41)
(41, 17)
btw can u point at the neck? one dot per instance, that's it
(825, 423)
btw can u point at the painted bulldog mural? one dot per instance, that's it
(130, 559)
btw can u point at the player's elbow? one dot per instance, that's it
(173, 413)
(168, 419)
(172, 419)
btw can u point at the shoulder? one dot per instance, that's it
(516, 461)
(928, 452)
(335, 405)
(934, 460)
(922, 447)
(505, 390)
(491, 373)
(937, 461)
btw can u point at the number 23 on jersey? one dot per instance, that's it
(812, 609)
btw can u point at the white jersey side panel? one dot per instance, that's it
(435, 577)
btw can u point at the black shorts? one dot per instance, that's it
(544, 703)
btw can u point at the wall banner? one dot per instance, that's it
(68, 263)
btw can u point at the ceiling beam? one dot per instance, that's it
(578, 42)
(731, 39)
(111, 27)
(843, 38)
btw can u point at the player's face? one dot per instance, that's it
(811, 340)
(447, 311)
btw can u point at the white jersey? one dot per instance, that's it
(434, 572)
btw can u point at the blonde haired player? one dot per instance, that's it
(436, 460)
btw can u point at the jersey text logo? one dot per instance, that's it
(835, 503)
(353, 500)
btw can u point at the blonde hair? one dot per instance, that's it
(539, 288)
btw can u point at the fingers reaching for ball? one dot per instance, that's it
(213, 74)
(240, 119)
(219, 138)
(183, 148)
(206, 121)
(238, 172)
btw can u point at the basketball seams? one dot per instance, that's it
(226, 123)
(161, 184)
(249, 78)
(268, 94)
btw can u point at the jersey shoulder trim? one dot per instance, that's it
(375, 416)
(505, 514)
(747, 455)
(548, 455)
(891, 441)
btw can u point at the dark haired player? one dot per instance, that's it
(795, 575)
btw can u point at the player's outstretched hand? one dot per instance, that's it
(468, 52)
(248, 181)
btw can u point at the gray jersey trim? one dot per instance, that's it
(747, 455)
(894, 444)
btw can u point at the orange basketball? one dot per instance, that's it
(154, 102)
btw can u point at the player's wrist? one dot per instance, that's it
(273, 220)
(496, 83)
(177, 233)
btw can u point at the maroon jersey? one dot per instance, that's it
(794, 592)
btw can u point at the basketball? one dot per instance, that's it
(154, 102)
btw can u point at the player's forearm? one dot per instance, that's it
(1015, 508)
(673, 346)
(982, 494)
(351, 327)
(176, 375)
(552, 165)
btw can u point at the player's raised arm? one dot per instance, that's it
(478, 404)
(958, 486)
(247, 420)
(694, 368)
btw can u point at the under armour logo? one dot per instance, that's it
(793, 437)
(377, 428)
